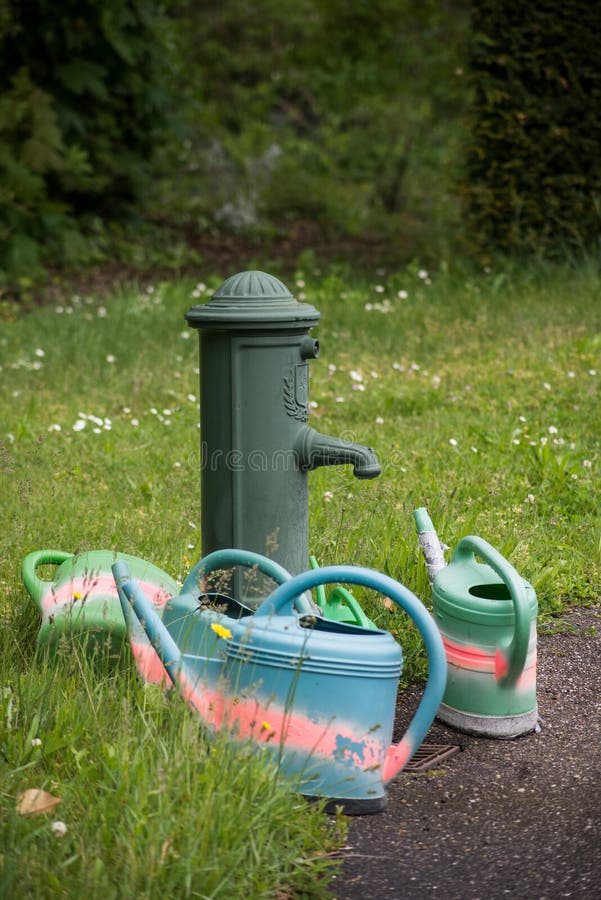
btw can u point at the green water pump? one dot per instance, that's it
(256, 444)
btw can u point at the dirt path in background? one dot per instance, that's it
(518, 819)
(227, 254)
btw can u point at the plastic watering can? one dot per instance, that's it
(317, 694)
(486, 613)
(82, 599)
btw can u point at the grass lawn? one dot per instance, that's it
(480, 394)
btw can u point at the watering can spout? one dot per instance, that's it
(133, 598)
(314, 449)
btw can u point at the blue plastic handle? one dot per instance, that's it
(225, 559)
(280, 602)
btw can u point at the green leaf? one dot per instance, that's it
(84, 77)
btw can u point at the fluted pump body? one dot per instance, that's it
(256, 445)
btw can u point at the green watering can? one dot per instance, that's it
(486, 613)
(82, 600)
(340, 605)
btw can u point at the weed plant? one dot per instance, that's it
(480, 393)
(151, 805)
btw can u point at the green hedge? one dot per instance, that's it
(534, 157)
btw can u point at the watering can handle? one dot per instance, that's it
(512, 657)
(320, 591)
(36, 586)
(225, 559)
(280, 602)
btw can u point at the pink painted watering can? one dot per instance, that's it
(81, 600)
(486, 613)
(317, 695)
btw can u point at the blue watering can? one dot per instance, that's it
(318, 695)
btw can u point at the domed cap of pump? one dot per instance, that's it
(252, 301)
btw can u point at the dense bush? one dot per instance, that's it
(85, 97)
(534, 161)
(345, 114)
(248, 116)
(238, 116)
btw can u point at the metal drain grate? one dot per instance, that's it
(428, 755)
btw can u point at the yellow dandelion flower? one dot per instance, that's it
(77, 595)
(221, 630)
(265, 726)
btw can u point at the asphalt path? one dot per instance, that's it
(518, 819)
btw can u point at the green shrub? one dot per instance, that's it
(85, 100)
(233, 116)
(534, 160)
(345, 115)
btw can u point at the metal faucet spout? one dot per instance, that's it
(314, 449)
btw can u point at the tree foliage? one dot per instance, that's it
(342, 113)
(85, 98)
(237, 115)
(248, 115)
